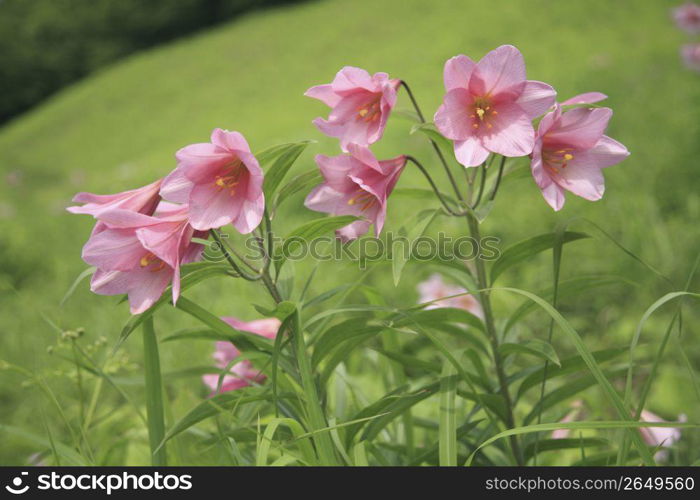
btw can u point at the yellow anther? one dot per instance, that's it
(363, 112)
(145, 260)
(481, 113)
(568, 157)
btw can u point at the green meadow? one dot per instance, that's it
(120, 128)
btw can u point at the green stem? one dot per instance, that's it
(484, 295)
(481, 186)
(483, 285)
(271, 287)
(437, 192)
(154, 395)
(317, 420)
(498, 179)
(230, 260)
(435, 146)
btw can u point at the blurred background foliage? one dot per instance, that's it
(48, 44)
(119, 129)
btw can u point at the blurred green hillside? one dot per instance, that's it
(120, 129)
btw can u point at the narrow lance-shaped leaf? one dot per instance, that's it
(278, 170)
(307, 232)
(522, 251)
(154, 395)
(417, 226)
(534, 347)
(447, 431)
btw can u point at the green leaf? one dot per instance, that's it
(297, 431)
(392, 405)
(447, 431)
(192, 274)
(563, 444)
(429, 130)
(418, 226)
(87, 272)
(608, 389)
(614, 424)
(334, 337)
(566, 391)
(633, 344)
(359, 455)
(64, 451)
(525, 249)
(568, 366)
(154, 395)
(278, 170)
(217, 404)
(434, 318)
(309, 231)
(243, 340)
(534, 347)
(311, 399)
(569, 288)
(300, 182)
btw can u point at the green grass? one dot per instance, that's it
(120, 129)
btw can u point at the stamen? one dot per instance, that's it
(230, 177)
(367, 199)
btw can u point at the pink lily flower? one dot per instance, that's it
(221, 181)
(361, 105)
(142, 200)
(140, 255)
(355, 184)
(489, 106)
(663, 437)
(570, 153)
(687, 17)
(691, 56)
(241, 374)
(435, 289)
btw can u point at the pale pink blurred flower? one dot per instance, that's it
(361, 105)
(570, 153)
(435, 288)
(687, 17)
(14, 178)
(140, 255)
(7, 210)
(221, 181)
(241, 374)
(489, 106)
(356, 184)
(663, 437)
(691, 55)
(572, 416)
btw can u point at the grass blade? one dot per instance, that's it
(154, 395)
(448, 417)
